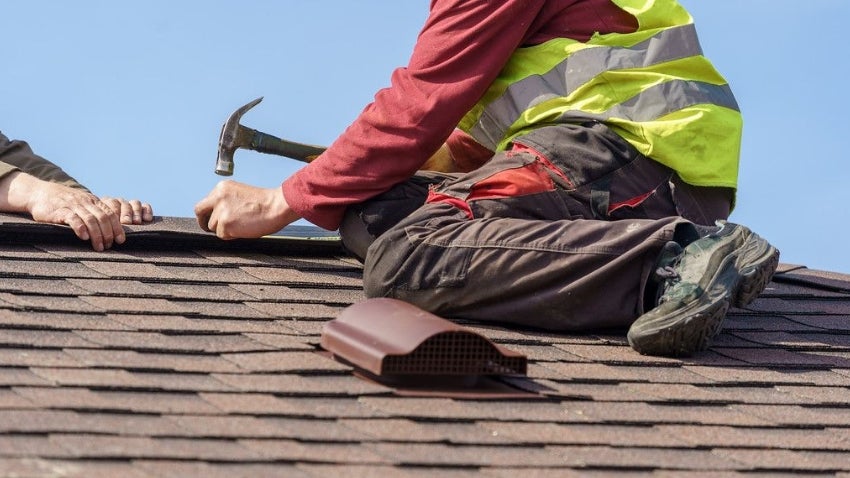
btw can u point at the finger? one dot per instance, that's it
(203, 211)
(126, 212)
(92, 226)
(101, 221)
(212, 223)
(75, 222)
(204, 222)
(136, 208)
(217, 223)
(110, 222)
(113, 203)
(147, 212)
(223, 231)
(114, 206)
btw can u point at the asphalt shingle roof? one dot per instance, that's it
(179, 355)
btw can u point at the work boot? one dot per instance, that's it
(729, 267)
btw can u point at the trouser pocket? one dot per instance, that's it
(606, 177)
(420, 253)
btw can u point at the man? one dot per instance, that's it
(595, 149)
(33, 185)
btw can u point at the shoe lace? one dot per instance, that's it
(666, 276)
(666, 273)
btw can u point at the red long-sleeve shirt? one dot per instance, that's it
(460, 51)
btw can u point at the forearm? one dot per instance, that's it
(459, 154)
(466, 153)
(10, 189)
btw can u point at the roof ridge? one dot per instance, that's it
(174, 232)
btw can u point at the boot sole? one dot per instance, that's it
(757, 263)
(699, 323)
(693, 327)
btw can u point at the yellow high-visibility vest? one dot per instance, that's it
(653, 87)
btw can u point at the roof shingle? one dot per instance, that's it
(176, 354)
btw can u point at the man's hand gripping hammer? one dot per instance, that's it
(235, 136)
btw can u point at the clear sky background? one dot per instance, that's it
(129, 97)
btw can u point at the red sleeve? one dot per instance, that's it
(460, 51)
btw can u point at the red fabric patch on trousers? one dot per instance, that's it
(456, 202)
(518, 147)
(633, 202)
(515, 182)
(529, 179)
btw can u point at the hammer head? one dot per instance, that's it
(233, 136)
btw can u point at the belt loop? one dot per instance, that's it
(600, 197)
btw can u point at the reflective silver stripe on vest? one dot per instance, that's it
(575, 71)
(661, 100)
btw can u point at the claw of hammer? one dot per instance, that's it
(234, 136)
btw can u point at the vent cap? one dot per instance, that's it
(389, 337)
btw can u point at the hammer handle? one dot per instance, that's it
(266, 143)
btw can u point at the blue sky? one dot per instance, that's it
(129, 97)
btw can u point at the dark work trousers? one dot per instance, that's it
(560, 233)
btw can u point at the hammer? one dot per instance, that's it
(235, 136)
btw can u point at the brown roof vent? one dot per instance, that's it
(392, 339)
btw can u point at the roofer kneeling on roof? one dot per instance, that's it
(584, 152)
(33, 185)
